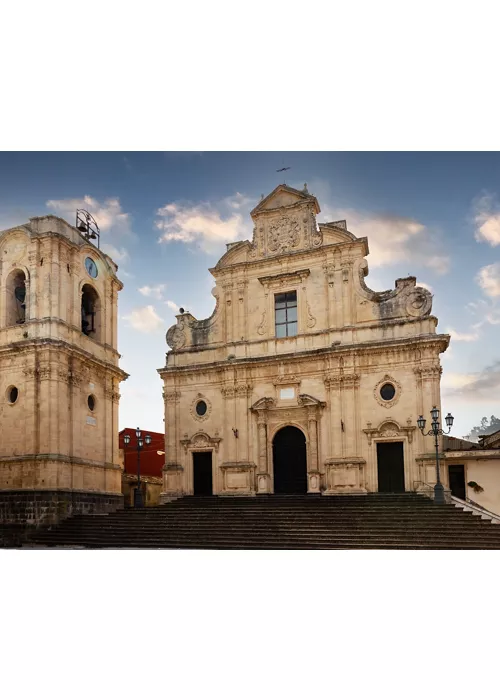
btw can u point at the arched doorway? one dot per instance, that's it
(290, 461)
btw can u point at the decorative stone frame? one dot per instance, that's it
(303, 414)
(345, 475)
(397, 386)
(200, 442)
(278, 284)
(200, 397)
(389, 430)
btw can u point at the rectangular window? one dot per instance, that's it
(285, 310)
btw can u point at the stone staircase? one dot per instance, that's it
(374, 521)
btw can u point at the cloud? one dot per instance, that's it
(481, 386)
(145, 320)
(172, 305)
(118, 255)
(487, 219)
(204, 224)
(156, 292)
(488, 279)
(108, 214)
(467, 337)
(452, 380)
(425, 286)
(393, 238)
(489, 311)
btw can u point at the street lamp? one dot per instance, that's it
(140, 444)
(436, 431)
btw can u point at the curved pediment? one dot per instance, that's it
(236, 253)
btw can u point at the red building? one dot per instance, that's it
(151, 462)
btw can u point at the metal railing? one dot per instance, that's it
(471, 505)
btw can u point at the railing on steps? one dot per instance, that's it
(428, 490)
(471, 506)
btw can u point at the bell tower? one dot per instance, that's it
(59, 374)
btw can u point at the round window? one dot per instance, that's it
(12, 394)
(91, 402)
(201, 408)
(388, 392)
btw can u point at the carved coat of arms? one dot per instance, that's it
(283, 235)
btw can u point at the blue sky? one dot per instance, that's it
(165, 219)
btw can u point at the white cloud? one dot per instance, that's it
(487, 219)
(488, 279)
(156, 292)
(118, 255)
(393, 238)
(425, 286)
(467, 337)
(205, 224)
(489, 311)
(172, 305)
(108, 214)
(452, 380)
(145, 320)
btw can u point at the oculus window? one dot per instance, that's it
(285, 314)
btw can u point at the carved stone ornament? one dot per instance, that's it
(200, 441)
(206, 415)
(418, 303)
(311, 321)
(283, 235)
(389, 428)
(376, 391)
(262, 328)
(176, 338)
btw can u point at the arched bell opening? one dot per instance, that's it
(16, 298)
(91, 312)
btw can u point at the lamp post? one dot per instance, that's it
(140, 444)
(436, 431)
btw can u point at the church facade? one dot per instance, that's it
(303, 380)
(59, 374)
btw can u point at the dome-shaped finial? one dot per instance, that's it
(261, 197)
(305, 190)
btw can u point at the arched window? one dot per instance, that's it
(91, 312)
(16, 298)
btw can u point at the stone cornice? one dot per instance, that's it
(54, 457)
(285, 278)
(28, 346)
(357, 349)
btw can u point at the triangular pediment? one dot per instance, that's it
(284, 196)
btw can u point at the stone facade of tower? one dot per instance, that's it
(301, 367)
(59, 374)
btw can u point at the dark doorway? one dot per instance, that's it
(202, 473)
(290, 461)
(391, 469)
(456, 472)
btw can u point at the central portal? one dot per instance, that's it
(290, 461)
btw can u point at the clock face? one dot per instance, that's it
(91, 267)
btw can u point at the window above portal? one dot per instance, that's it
(285, 314)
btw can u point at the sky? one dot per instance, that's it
(165, 218)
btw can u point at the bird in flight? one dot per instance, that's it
(282, 169)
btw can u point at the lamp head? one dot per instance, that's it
(126, 439)
(421, 422)
(138, 433)
(449, 420)
(147, 439)
(435, 414)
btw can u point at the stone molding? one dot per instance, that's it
(390, 428)
(387, 379)
(201, 440)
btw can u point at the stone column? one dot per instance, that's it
(313, 477)
(262, 473)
